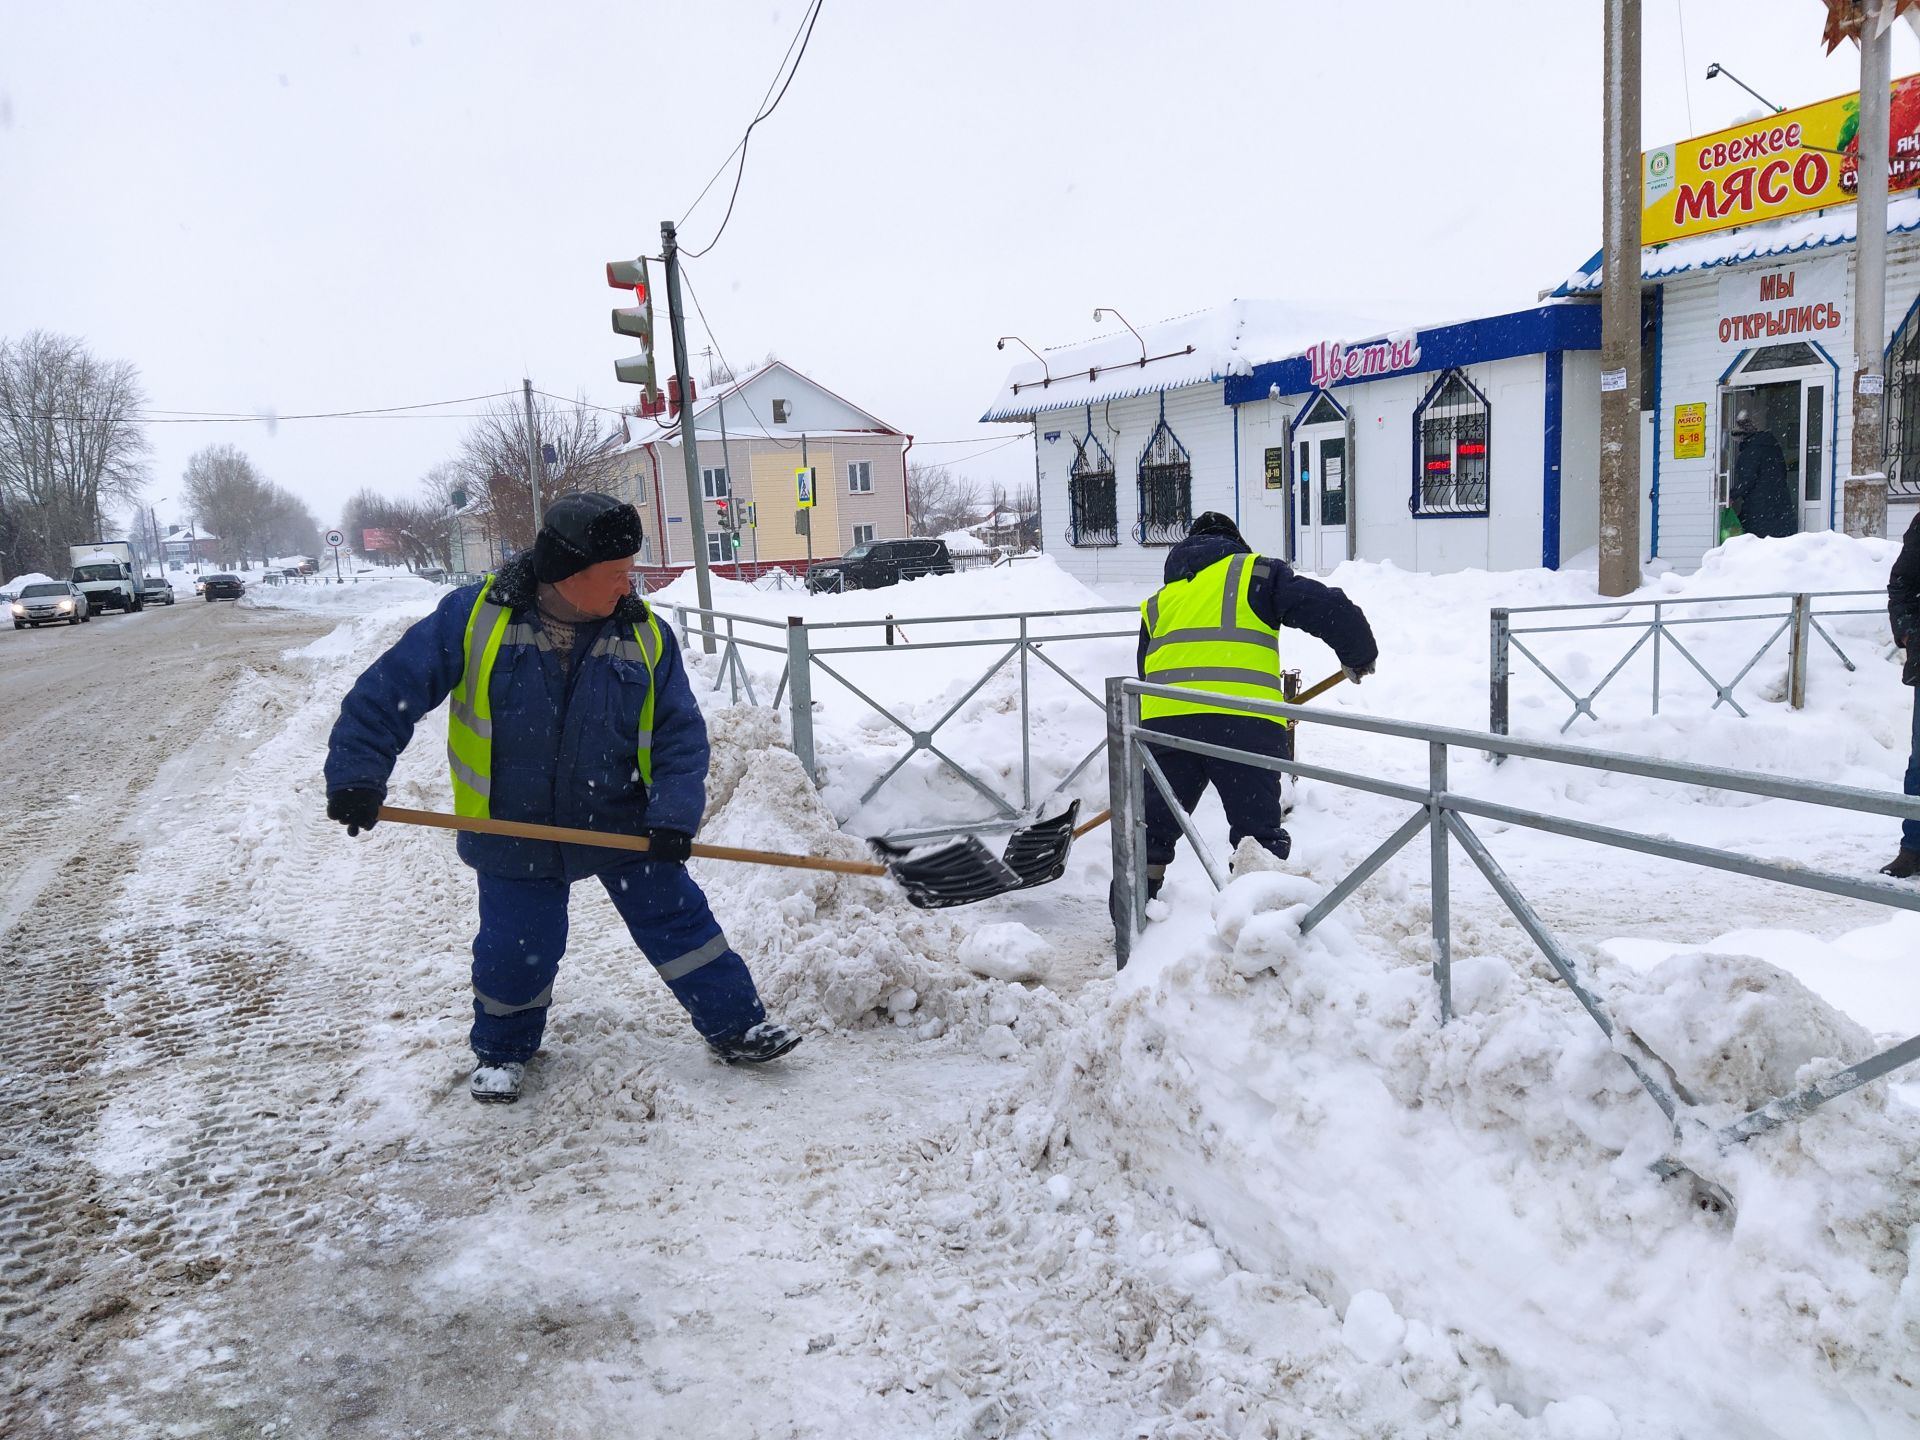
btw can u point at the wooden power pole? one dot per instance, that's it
(1620, 478)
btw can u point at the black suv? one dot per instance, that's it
(881, 562)
(224, 587)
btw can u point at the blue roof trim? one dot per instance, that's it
(1652, 267)
(1445, 347)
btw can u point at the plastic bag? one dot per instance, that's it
(1730, 525)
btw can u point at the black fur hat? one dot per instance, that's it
(582, 530)
(1212, 522)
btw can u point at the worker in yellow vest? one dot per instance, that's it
(1215, 626)
(570, 706)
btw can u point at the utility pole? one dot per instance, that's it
(1620, 303)
(536, 465)
(696, 511)
(1864, 501)
(726, 463)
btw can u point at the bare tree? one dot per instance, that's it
(251, 517)
(71, 446)
(493, 459)
(938, 500)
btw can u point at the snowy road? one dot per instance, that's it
(246, 1194)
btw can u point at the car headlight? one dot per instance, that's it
(64, 605)
(18, 608)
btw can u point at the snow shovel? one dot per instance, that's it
(1038, 854)
(957, 873)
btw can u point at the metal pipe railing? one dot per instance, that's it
(1799, 619)
(1443, 814)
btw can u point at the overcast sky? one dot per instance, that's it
(283, 209)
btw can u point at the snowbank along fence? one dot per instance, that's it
(1797, 616)
(1441, 814)
(1021, 639)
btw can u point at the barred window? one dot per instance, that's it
(1093, 509)
(1450, 452)
(1903, 412)
(1166, 487)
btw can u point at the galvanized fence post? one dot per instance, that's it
(1799, 650)
(1499, 675)
(1126, 898)
(1026, 725)
(1659, 631)
(800, 693)
(1442, 900)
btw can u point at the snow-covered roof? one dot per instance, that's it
(658, 429)
(1197, 349)
(1839, 225)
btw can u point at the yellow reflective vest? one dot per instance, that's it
(1202, 634)
(470, 716)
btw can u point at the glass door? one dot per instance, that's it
(1773, 466)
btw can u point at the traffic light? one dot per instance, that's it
(736, 542)
(721, 508)
(637, 321)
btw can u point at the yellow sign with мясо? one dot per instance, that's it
(1690, 432)
(1784, 164)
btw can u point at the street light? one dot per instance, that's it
(1001, 344)
(1105, 310)
(1719, 69)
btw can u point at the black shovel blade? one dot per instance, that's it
(958, 873)
(1038, 854)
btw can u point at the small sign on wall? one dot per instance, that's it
(1277, 468)
(1690, 432)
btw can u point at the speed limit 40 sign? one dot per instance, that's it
(334, 538)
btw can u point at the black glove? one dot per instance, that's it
(669, 847)
(355, 808)
(1357, 673)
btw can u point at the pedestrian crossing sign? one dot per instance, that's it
(803, 483)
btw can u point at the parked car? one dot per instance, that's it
(223, 587)
(50, 602)
(881, 562)
(154, 590)
(199, 584)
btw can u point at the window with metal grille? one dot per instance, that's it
(1093, 509)
(1903, 411)
(1166, 487)
(1450, 449)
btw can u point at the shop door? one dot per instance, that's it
(1320, 492)
(1774, 412)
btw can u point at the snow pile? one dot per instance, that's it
(1488, 1180)
(834, 950)
(19, 582)
(960, 542)
(365, 595)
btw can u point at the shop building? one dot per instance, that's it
(1448, 447)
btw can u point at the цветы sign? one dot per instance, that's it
(1332, 362)
(1784, 164)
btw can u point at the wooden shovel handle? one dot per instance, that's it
(567, 835)
(1325, 685)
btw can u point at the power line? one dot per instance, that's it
(230, 417)
(742, 147)
(721, 169)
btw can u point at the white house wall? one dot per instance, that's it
(1691, 363)
(1381, 476)
(809, 407)
(1580, 454)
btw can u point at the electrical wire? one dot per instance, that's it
(742, 147)
(230, 417)
(1686, 70)
(721, 168)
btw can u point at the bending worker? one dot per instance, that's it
(570, 707)
(1215, 625)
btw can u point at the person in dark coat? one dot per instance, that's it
(570, 706)
(1214, 627)
(1903, 611)
(1760, 492)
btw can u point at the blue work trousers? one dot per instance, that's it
(1249, 795)
(523, 934)
(1910, 829)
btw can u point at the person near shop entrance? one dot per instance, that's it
(570, 706)
(1903, 610)
(1760, 492)
(1215, 625)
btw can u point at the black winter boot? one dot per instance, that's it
(756, 1044)
(1903, 866)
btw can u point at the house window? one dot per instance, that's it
(1903, 411)
(717, 552)
(1093, 509)
(1450, 451)
(780, 410)
(860, 477)
(1166, 487)
(863, 534)
(714, 482)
